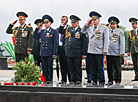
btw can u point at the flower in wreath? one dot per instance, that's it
(34, 83)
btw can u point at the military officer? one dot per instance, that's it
(133, 45)
(116, 50)
(49, 46)
(98, 46)
(75, 48)
(36, 46)
(23, 35)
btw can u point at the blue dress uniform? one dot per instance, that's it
(36, 46)
(98, 43)
(116, 47)
(76, 44)
(23, 37)
(49, 47)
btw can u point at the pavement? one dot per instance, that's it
(127, 76)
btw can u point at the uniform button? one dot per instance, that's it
(90, 45)
(16, 44)
(90, 41)
(20, 41)
(43, 42)
(111, 46)
(94, 42)
(36, 43)
(42, 47)
(20, 44)
(46, 44)
(46, 41)
(94, 45)
(69, 43)
(69, 46)
(94, 39)
(20, 38)
(46, 47)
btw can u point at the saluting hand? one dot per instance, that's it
(107, 25)
(14, 22)
(65, 22)
(29, 24)
(40, 25)
(90, 22)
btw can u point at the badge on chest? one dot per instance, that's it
(98, 34)
(24, 33)
(48, 35)
(77, 35)
(115, 37)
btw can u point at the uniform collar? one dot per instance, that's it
(48, 29)
(114, 29)
(97, 26)
(22, 25)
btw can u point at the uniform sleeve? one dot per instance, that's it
(36, 33)
(85, 41)
(122, 43)
(30, 39)
(129, 44)
(85, 29)
(106, 39)
(55, 49)
(9, 29)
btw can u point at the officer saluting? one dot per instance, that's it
(116, 50)
(75, 48)
(23, 36)
(36, 46)
(98, 46)
(133, 45)
(49, 46)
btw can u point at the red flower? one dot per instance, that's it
(7, 83)
(29, 83)
(34, 83)
(17, 83)
(0, 83)
(12, 83)
(22, 83)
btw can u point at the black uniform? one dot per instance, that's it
(76, 45)
(63, 60)
(36, 46)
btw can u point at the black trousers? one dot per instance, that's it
(20, 57)
(75, 68)
(37, 59)
(135, 63)
(114, 62)
(63, 64)
(97, 68)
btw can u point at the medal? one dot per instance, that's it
(77, 35)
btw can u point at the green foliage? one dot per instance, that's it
(27, 72)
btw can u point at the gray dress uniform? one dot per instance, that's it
(116, 47)
(98, 43)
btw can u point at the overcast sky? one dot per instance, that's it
(123, 9)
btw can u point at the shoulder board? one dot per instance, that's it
(103, 26)
(119, 29)
(29, 26)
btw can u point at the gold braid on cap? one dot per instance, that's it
(46, 20)
(113, 21)
(94, 17)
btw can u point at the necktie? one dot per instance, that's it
(94, 28)
(61, 37)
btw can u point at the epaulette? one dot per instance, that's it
(119, 29)
(103, 26)
(130, 30)
(29, 26)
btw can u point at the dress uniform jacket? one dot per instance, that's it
(49, 41)
(133, 42)
(76, 42)
(97, 46)
(36, 47)
(23, 38)
(116, 43)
